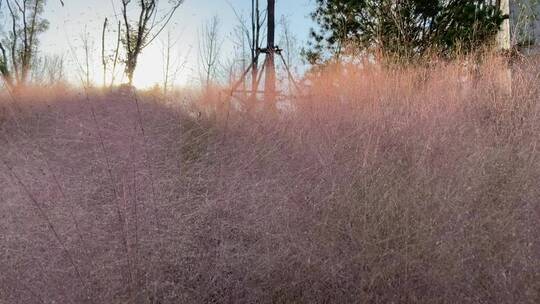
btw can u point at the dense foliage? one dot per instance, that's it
(402, 29)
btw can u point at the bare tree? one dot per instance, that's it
(87, 46)
(209, 51)
(116, 53)
(140, 33)
(109, 61)
(54, 69)
(167, 48)
(288, 42)
(171, 66)
(20, 45)
(104, 60)
(257, 22)
(253, 33)
(48, 70)
(241, 59)
(289, 45)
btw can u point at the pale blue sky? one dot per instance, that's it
(68, 24)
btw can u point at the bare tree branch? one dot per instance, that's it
(144, 30)
(20, 43)
(209, 50)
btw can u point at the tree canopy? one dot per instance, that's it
(19, 45)
(402, 29)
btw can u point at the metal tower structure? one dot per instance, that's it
(271, 53)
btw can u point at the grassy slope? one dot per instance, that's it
(409, 187)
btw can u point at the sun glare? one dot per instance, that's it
(150, 70)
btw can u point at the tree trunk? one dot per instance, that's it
(103, 59)
(255, 32)
(116, 52)
(4, 68)
(130, 75)
(270, 80)
(130, 68)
